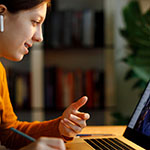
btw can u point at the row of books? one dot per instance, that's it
(63, 87)
(74, 29)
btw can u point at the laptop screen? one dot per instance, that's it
(138, 129)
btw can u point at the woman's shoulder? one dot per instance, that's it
(2, 71)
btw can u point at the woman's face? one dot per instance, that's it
(21, 30)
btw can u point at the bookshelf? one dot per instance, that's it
(75, 53)
(72, 58)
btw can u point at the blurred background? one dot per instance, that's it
(98, 48)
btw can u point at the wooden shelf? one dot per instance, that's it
(74, 59)
(75, 49)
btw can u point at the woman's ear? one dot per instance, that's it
(3, 9)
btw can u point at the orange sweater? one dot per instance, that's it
(8, 119)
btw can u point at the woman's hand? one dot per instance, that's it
(45, 143)
(73, 121)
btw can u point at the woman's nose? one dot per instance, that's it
(38, 36)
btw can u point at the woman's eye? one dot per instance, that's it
(35, 22)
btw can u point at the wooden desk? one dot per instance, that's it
(117, 130)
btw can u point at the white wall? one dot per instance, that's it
(126, 97)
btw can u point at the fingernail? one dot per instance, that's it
(65, 119)
(72, 116)
(86, 97)
(87, 116)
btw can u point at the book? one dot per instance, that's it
(52, 30)
(98, 79)
(99, 29)
(59, 88)
(78, 83)
(68, 89)
(88, 28)
(89, 87)
(49, 84)
(67, 28)
(77, 28)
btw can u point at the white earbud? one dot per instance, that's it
(1, 23)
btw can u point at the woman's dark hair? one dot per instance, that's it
(14, 6)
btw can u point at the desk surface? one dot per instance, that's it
(117, 130)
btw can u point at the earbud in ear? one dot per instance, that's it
(1, 23)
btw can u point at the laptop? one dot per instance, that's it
(135, 137)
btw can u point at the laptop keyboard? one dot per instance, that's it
(108, 144)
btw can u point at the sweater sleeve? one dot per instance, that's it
(9, 119)
(34, 129)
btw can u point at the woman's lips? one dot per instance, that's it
(26, 45)
(26, 48)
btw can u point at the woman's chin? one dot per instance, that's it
(15, 58)
(19, 58)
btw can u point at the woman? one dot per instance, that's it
(20, 28)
